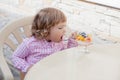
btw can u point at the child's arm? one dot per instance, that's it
(71, 41)
(19, 56)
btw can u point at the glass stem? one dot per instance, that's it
(86, 50)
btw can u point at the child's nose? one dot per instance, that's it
(64, 30)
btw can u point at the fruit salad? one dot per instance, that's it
(82, 36)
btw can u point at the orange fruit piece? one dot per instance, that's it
(80, 38)
(88, 39)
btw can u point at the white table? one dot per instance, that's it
(102, 63)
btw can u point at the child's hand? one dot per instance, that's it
(73, 35)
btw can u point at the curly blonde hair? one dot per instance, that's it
(44, 20)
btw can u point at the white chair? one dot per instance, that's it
(18, 29)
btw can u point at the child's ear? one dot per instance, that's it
(45, 30)
(45, 33)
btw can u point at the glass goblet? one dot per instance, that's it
(85, 45)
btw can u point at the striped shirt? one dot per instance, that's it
(32, 50)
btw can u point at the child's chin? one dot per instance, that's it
(59, 41)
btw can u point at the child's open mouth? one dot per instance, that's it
(61, 37)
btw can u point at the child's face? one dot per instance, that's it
(57, 32)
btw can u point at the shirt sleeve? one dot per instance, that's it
(72, 43)
(19, 55)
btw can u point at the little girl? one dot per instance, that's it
(48, 29)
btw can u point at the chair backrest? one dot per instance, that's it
(11, 36)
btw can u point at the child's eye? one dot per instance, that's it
(62, 27)
(59, 28)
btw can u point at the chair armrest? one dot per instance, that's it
(7, 74)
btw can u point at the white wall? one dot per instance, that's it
(86, 16)
(113, 3)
